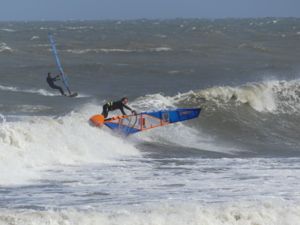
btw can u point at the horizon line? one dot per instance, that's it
(152, 19)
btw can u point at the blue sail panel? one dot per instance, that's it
(122, 128)
(150, 120)
(58, 63)
(176, 115)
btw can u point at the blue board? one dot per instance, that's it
(148, 120)
(58, 63)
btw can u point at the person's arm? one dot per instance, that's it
(127, 107)
(122, 110)
(131, 110)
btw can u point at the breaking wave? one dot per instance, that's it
(227, 112)
(269, 96)
(31, 144)
(231, 115)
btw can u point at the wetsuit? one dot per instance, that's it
(51, 80)
(111, 106)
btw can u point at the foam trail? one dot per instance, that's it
(33, 91)
(37, 91)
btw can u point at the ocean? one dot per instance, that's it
(238, 163)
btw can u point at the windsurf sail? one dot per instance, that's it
(58, 64)
(130, 124)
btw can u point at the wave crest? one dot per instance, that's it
(269, 96)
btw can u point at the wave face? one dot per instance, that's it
(256, 118)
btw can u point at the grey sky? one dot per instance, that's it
(133, 9)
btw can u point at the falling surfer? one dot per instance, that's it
(114, 105)
(51, 80)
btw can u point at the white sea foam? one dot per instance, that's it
(161, 49)
(33, 91)
(7, 30)
(34, 38)
(265, 213)
(153, 102)
(85, 51)
(5, 48)
(33, 144)
(117, 50)
(255, 46)
(79, 28)
(37, 91)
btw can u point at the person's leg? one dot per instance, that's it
(58, 88)
(61, 91)
(105, 111)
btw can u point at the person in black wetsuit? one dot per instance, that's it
(51, 80)
(121, 104)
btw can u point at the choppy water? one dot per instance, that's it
(237, 164)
